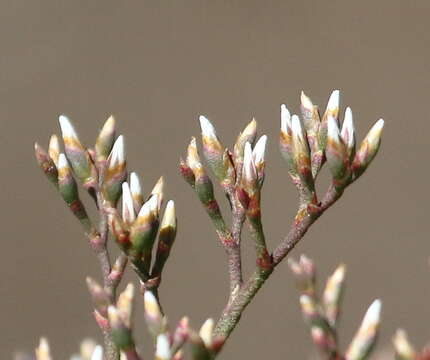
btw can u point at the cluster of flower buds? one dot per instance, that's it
(307, 144)
(322, 314)
(170, 344)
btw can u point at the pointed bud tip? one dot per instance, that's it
(66, 126)
(333, 101)
(208, 129)
(163, 347)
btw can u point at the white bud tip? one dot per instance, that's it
(296, 126)
(207, 128)
(62, 161)
(373, 314)
(285, 118)
(67, 128)
(332, 129)
(163, 347)
(206, 332)
(306, 102)
(118, 152)
(97, 353)
(348, 123)
(135, 186)
(259, 150)
(333, 101)
(153, 203)
(169, 218)
(127, 203)
(248, 163)
(151, 303)
(379, 125)
(339, 274)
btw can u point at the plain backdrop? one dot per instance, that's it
(157, 65)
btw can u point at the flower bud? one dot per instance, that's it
(136, 191)
(43, 351)
(332, 110)
(368, 149)
(69, 191)
(105, 140)
(162, 351)
(46, 164)
(332, 296)
(128, 213)
(348, 134)
(54, 149)
(249, 172)
(99, 296)
(121, 334)
(125, 305)
(78, 156)
(187, 173)
(212, 148)
(258, 158)
(153, 316)
(336, 153)
(247, 135)
(166, 237)
(286, 139)
(97, 353)
(366, 337)
(206, 332)
(116, 172)
(158, 190)
(404, 350)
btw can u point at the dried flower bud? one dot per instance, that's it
(121, 334)
(42, 351)
(404, 350)
(77, 154)
(332, 296)
(136, 192)
(166, 237)
(116, 171)
(366, 337)
(348, 134)
(105, 140)
(153, 316)
(128, 213)
(46, 164)
(54, 149)
(368, 149)
(247, 135)
(163, 351)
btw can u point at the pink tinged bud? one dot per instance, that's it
(105, 140)
(128, 214)
(186, 173)
(163, 351)
(46, 164)
(366, 337)
(332, 296)
(404, 350)
(54, 149)
(181, 333)
(116, 171)
(206, 332)
(336, 152)
(368, 149)
(97, 353)
(43, 351)
(99, 296)
(136, 191)
(78, 156)
(247, 135)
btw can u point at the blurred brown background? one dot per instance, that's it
(157, 65)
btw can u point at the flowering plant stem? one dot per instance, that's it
(235, 307)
